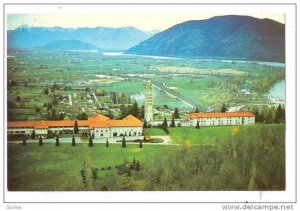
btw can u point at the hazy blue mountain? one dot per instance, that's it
(69, 45)
(102, 37)
(228, 37)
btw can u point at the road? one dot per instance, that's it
(96, 100)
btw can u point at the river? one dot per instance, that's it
(277, 92)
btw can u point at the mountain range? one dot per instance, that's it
(102, 37)
(225, 37)
(69, 45)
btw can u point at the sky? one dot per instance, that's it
(146, 21)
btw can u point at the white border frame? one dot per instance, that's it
(289, 195)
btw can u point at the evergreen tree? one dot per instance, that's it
(46, 91)
(197, 110)
(135, 110)
(142, 113)
(197, 126)
(40, 141)
(279, 114)
(123, 142)
(114, 97)
(138, 166)
(107, 144)
(173, 122)
(224, 108)
(57, 141)
(73, 141)
(24, 141)
(145, 124)
(128, 173)
(165, 123)
(141, 144)
(134, 161)
(176, 113)
(76, 127)
(33, 134)
(123, 111)
(91, 144)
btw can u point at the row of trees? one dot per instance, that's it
(91, 143)
(268, 115)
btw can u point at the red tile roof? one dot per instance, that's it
(214, 115)
(95, 121)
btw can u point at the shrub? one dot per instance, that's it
(40, 141)
(73, 141)
(123, 142)
(57, 141)
(141, 144)
(91, 144)
(24, 141)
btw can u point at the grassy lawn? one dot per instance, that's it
(155, 132)
(50, 168)
(205, 135)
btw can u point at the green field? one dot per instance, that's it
(58, 168)
(206, 135)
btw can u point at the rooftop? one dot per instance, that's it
(226, 114)
(95, 121)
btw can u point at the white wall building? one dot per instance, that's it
(98, 125)
(215, 119)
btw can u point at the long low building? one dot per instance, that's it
(99, 126)
(215, 119)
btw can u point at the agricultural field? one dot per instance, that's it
(253, 155)
(202, 83)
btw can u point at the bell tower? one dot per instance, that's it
(149, 102)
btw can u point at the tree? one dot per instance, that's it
(33, 134)
(73, 141)
(82, 116)
(172, 122)
(141, 144)
(176, 113)
(40, 141)
(135, 110)
(142, 113)
(107, 144)
(138, 166)
(123, 142)
(46, 91)
(91, 144)
(24, 141)
(279, 115)
(114, 97)
(57, 141)
(165, 123)
(76, 127)
(197, 110)
(224, 108)
(197, 126)
(18, 98)
(145, 124)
